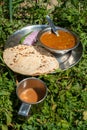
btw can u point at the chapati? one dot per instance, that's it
(30, 60)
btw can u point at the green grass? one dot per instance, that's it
(65, 107)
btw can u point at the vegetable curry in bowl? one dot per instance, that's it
(66, 41)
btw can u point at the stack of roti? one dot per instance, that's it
(30, 60)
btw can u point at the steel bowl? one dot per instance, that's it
(47, 29)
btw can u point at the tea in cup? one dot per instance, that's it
(30, 91)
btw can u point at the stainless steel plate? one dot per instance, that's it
(65, 61)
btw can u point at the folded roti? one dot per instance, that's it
(30, 60)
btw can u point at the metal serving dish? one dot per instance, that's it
(66, 60)
(48, 29)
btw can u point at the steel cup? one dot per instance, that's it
(30, 91)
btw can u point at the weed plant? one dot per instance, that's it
(65, 107)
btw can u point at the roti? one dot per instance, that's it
(30, 60)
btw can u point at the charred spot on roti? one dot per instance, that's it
(11, 64)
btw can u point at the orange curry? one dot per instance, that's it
(65, 40)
